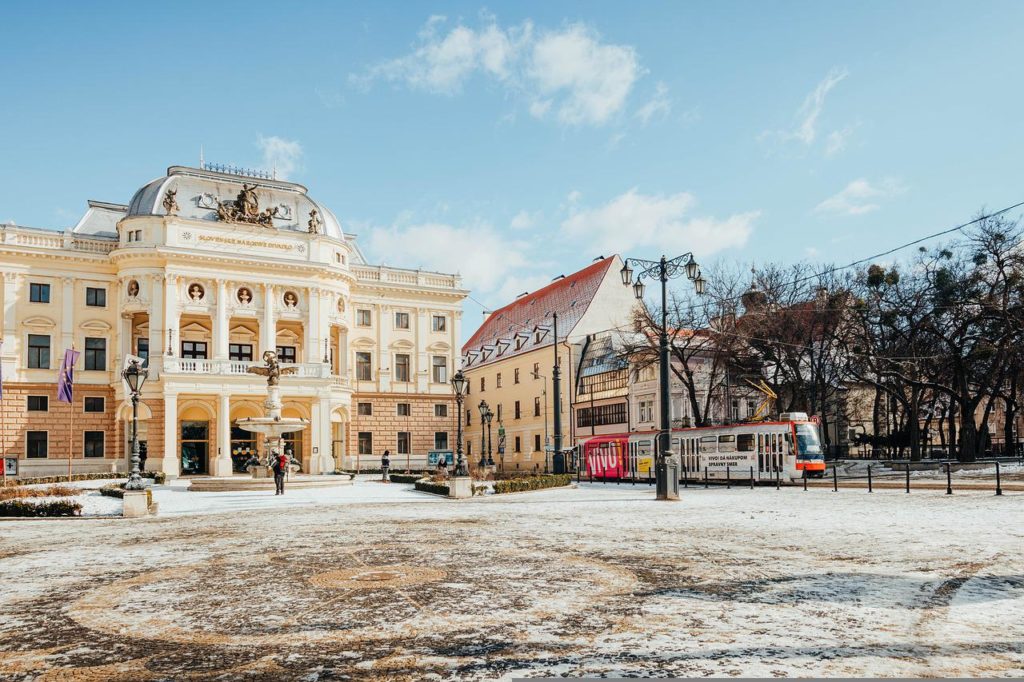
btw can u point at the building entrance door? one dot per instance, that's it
(195, 448)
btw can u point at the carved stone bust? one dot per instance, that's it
(133, 289)
(244, 296)
(290, 300)
(196, 293)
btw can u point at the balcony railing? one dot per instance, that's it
(307, 370)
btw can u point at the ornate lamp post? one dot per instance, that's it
(485, 438)
(461, 386)
(134, 376)
(663, 270)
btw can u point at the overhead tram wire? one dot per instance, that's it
(806, 278)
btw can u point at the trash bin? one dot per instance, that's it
(558, 462)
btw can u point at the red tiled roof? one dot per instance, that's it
(569, 296)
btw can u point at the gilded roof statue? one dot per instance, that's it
(246, 209)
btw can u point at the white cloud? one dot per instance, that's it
(805, 131)
(481, 254)
(836, 141)
(658, 105)
(568, 71)
(860, 197)
(635, 221)
(280, 155)
(574, 196)
(524, 220)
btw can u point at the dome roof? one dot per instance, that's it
(198, 191)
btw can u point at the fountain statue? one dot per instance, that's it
(273, 426)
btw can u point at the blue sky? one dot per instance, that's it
(513, 142)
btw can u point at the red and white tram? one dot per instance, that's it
(788, 449)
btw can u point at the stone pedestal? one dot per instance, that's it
(460, 487)
(136, 504)
(222, 467)
(261, 471)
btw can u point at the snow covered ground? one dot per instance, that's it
(377, 581)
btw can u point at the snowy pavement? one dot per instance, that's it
(376, 581)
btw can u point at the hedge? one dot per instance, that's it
(55, 508)
(158, 477)
(427, 486)
(519, 485)
(405, 478)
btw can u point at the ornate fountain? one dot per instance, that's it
(273, 426)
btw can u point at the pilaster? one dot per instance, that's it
(172, 458)
(268, 325)
(220, 323)
(222, 463)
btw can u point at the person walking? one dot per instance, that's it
(385, 464)
(280, 467)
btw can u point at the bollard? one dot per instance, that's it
(590, 470)
(805, 479)
(835, 479)
(751, 478)
(949, 479)
(999, 485)
(778, 478)
(869, 479)
(728, 481)
(685, 476)
(705, 477)
(908, 479)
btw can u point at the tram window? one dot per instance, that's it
(708, 439)
(727, 439)
(745, 442)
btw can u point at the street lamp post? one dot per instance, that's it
(461, 386)
(485, 437)
(544, 392)
(135, 376)
(662, 271)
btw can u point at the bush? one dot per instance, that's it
(50, 491)
(159, 477)
(519, 485)
(40, 509)
(405, 478)
(431, 487)
(12, 482)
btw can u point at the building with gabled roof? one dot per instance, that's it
(509, 359)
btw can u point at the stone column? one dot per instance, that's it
(10, 322)
(124, 346)
(424, 362)
(157, 334)
(222, 463)
(172, 458)
(383, 360)
(268, 325)
(220, 323)
(172, 314)
(320, 434)
(313, 349)
(324, 325)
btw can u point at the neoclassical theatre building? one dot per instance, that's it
(201, 272)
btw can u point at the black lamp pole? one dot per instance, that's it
(663, 270)
(556, 388)
(485, 412)
(490, 458)
(459, 385)
(134, 376)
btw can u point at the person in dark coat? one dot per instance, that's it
(385, 464)
(280, 467)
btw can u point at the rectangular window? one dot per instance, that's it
(93, 443)
(751, 408)
(38, 403)
(515, 376)
(483, 385)
(364, 409)
(469, 414)
(401, 320)
(645, 411)
(401, 367)
(364, 372)
(142, 350)
(497, 381)
(536, 442)
(94, 404)
(519, 444)
(404, 443)
(735, 411)
(440, 440)
(745, 442)
(440, 323)
(536, 407)
(536, 370)
(286, 354)
(601, 415)
(499, 413)
(517, 410)
(35, 444)
(39, 351)
(365, 443)
(440, 410)
(363, 318)
(240, 352)
(39, 293)
(96, 297)
(404, 410)
(193, 350)
(96, 355)
(439, 369)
